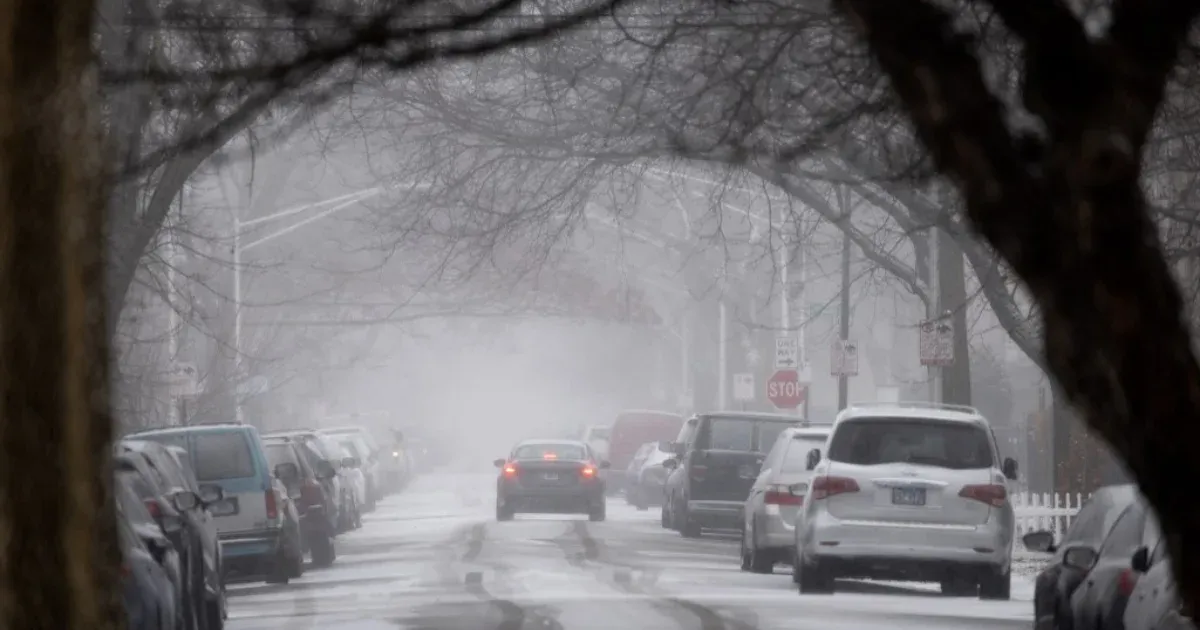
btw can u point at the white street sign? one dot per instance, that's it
(937, 342)
(743, 387)
(844, 357)
(787, 353)
(183, 379)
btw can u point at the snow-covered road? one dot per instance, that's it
(433, 558)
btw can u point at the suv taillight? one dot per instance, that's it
(510, 471)
(272, 507)
(992, 494)
(826, 486)
(780, 495)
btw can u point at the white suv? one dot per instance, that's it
(908, 491)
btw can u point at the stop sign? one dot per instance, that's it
(784, 389)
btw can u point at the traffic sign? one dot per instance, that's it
(844, 357)
(787, 353)
(785, 390)
(743, 387)
(937, 342)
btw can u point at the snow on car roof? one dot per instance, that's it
(910, 410)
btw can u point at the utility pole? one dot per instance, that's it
(935, 390)
(722, 358)
(844, 325)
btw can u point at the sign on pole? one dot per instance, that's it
(743, 387)
(785, 390)
(937, 342)
(787, 353)
(183, 379)
(844, 358)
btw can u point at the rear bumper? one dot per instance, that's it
(552, 500)
(237, 547)
(772, 530)
(862, 549)
(716, 514)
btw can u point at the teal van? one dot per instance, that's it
(256, 524)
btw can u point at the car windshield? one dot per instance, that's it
(873, 441)
(550, 451)
(222, 455)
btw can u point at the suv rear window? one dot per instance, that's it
(795, 458)
(872, 441)
(222, 455)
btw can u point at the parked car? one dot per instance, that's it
(911, 491)
(306, 477)
(373, 466)
(647, 476)
(1056, 583)
(355, 452)
(1099, 602)
(149, 593)
(629, 432)
(176, 501)
(257, 523)
(1155, 603)
(717, 457)
(770, 512)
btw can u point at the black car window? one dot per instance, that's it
(730, 434)
(1126, 534)
(768, 434)
(551, 451)
(873, 441)
(222, 455)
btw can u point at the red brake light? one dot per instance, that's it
(153, 508)
(1126, 581)
(587, 471)
(992, 494)
(549, 455)
(510, 470)
(272, 508)
(780, 495)
(825, 486)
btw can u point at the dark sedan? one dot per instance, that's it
(550, 477)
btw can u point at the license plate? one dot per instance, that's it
(224, 507)
(908, 496)
(550, 476)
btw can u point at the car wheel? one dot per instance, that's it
(278, 569)
(687, 527)
(760, 561)
(503, 513)
(813, 579)
(745, 553)
(214, 616)
(996, 586)
(323, 552)
(639, 499)
(598, 513)
(665, 516)
(958, 586)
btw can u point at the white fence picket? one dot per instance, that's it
(1036, 511)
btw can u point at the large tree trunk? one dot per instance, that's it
(60, 564)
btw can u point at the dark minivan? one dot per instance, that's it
(717, 458)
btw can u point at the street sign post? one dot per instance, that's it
(743, 387)
(785, 390)
(937, 342)
(787, 353)
(844, 355)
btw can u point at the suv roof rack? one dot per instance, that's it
(916, 404)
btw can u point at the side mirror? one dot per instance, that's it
(605, 464)
(1010, 468)
(499, 463)
(1040, 541)
(185, 500)
(1081, 557)
(325, 470)
(210, 494)
(350, 462)
(287, 471)
(670, 464)
(1140, 561)
(814, 457)
(798, 490)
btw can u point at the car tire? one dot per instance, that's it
(757, 560)
(598, 513)
(689, 528)
(959, 586)
(214, 617)
(996, 586)
(664, 516)
(639, 499)
(503, 513)
(813, 579)
(323, 552)
(278, 571)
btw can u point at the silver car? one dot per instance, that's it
(908, 491)
(769, 515)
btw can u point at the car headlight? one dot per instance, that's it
(395, 453)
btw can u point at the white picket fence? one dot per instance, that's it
(1045, 511)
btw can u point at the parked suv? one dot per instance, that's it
(306, 478)
(257, 523)
(717, 457)
(908, 491)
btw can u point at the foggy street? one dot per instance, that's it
(433, 556)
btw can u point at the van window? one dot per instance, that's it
(729, 434)
(222, 455)
(873, 441)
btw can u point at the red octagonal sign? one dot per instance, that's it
(785, 390)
